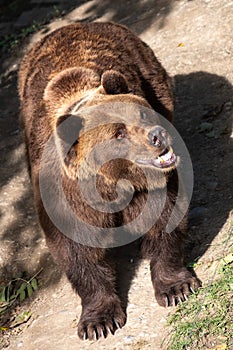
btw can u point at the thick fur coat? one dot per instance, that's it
(70, 75)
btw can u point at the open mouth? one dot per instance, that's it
(165, 160)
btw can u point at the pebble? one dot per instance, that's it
(15, 132)
(211, 185)
(228, 106)
(128, 339)
(197, 213)
(205, 126)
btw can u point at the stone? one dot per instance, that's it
(228, 105)
(212, 185)
(197, 213)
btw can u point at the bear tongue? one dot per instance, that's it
(165, 159)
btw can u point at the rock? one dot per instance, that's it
(197, 213)
(128, 339)
(14, 132)
(211, 185)
(228, 105)
(205, 126)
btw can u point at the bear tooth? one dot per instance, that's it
(161, 160)
(167, 156)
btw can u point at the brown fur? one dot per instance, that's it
(89, 65)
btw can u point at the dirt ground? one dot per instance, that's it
(193, 40)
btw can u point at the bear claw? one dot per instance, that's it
(99, 328)
(192, 290)
(176, 293)
(117, 324)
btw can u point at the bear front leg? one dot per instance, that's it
(171, 280)
(93, 279)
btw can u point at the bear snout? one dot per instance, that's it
(158, 137)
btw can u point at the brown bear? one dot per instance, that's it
(97, 91)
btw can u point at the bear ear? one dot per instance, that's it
(114, 83)
(69, 82)
(67, 134)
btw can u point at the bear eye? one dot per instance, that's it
(120, 134)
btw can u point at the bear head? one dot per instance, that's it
(102, 128)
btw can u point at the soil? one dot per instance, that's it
(193, 40)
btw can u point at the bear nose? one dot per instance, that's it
(158, 137)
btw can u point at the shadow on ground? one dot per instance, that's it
(204, 120)
(141, 13)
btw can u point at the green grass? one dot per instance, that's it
(205, 321)
(11, 41)
(13, 294)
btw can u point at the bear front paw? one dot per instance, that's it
(95, 325)
(176, 292)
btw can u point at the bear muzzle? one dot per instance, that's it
(165, 157)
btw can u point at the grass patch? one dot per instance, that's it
(206, 320)
(11, 41)
(13, 294)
